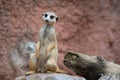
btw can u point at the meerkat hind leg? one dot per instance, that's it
(32, 64)
(52, 61)
(61, 71)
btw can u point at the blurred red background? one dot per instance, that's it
(90, 27)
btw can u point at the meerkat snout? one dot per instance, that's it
(46, 20)
(50, 17)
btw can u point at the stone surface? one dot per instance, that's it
(52, 76)
(91, 27)
(110, 77)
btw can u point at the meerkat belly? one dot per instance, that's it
(46, 38)
(44, 46)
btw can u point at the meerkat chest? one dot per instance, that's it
(47, 34)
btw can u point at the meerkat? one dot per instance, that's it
(46, 55)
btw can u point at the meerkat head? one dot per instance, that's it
(50, 18)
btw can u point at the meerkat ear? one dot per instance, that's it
(43, 14)
(57, 19)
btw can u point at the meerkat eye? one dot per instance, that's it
(51, 17)
(46, 15)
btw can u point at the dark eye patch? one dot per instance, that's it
(51, 17)
(46, 15)
(57, 18)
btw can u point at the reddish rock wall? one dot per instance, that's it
(91, 27)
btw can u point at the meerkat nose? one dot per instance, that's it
(46, 20)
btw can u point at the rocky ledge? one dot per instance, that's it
(52, 76)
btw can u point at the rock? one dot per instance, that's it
(110, 77)
(52, 76)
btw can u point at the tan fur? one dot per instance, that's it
(46, 55)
